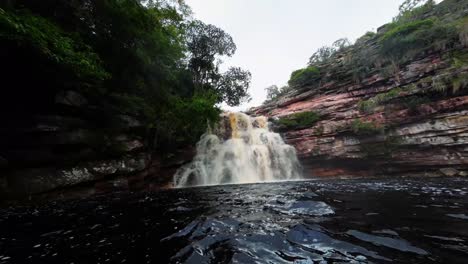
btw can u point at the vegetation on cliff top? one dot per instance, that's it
(146, 59)
(421, 27)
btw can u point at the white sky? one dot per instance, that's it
(275, 37)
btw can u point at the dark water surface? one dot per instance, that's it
(339, 221)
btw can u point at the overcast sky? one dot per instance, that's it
(275, 37)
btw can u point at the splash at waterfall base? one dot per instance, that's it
(240, 149)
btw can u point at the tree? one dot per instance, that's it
(409, 5)
(272, 92)
(326, 53)
(233, 86)
(206, 43)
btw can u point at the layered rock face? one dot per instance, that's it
(61, 151)
(414, 122)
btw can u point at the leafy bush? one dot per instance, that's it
(380, 99)
(422, 26)
(450, 83)
(273, 92)
(410, 11)
(49, 41)
(366, 106)
(365, 128)
(405, 40)
(304, 76)
(299, 120)
(366, 37)
(459, 59)
(327, 53)
(193, 115)
(183, 121)
(462, 25)
(398, 29)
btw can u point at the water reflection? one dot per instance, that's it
(353, 221)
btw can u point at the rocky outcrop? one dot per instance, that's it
(63, 151)
(414, 122)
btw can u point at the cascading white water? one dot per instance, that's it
(241, 149)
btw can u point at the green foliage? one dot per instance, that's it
(412, 10)
(462, 25)
(366, 37)
(421, 27)
(133, 105)
(459, 59)
(205, 44)
(366, 106)
(380, 99)
(304, 76)
(405, 40)
(273, 92)
(144, 59)
(233, 85)
(450, 83)
(398, 29)
(185, 120)
(49, 41)
(460, 82)
(363, 128)
(299, 120)
(326, 53)
(412, 103)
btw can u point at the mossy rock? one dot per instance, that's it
(299, 120)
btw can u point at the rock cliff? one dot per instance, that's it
(393, 103)
(62, 151)
(414, 122)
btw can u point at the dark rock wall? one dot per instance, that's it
(62, 150)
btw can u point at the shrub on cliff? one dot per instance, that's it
(273, 92)
(327, 53)
(304, 76)
(363, 128)
(299, 120)
(422, 26)
(405, 40)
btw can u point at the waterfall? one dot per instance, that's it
(240, 149)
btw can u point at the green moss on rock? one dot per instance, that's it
(299, 120)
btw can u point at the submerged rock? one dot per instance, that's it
(449, 172)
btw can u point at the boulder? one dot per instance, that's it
(450, 172)
(70, 98)
(38, 180)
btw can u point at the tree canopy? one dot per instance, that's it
(206, 44)
(143, 58)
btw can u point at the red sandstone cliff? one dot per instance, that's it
(429, 137)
